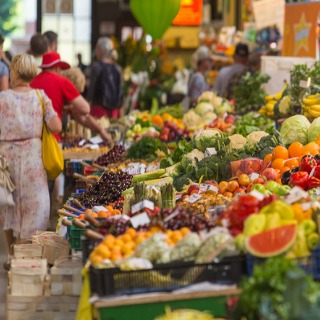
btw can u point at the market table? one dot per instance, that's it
(148, 307)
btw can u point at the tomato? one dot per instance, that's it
(300, 179)
(316, 172)
(314, 183)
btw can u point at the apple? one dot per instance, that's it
(212, 182)
(193, 187)
(239, 191)
(258, 181)
(229, 119)
(270, 174)
(273, 186)
(309, 226)
(259, 187)
(243, 179)
(232, 186)
(223, 186)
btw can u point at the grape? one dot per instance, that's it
(116, 154)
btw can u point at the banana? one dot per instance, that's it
(306, 114)
(315, 107)
(310, 102)
(269, 107)
(314, 113)
(269, 98)
(305, 107)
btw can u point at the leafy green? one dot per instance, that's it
(278, 290)
(180, 149)
(175, 110)
(249, 95)
(146, 149)
(251, 122)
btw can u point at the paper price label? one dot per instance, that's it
(96, 140)
(312, 172)
(210, 152)
(82, 142)
(142, 205)
(305, 84)
(205, 187)
(178, 197)
(257, 194)
(318, 191)
(254, 176)
(193, 198)
(140, 220)
(296, 194)
(172, 215)
(99, 208)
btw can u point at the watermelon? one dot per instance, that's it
(272, 242)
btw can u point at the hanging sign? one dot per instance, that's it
(190, 13)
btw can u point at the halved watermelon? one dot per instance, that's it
(272, 242)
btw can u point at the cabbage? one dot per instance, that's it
(294, 129)
(203, 107)
(314, 130)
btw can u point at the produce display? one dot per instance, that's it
(225, 179)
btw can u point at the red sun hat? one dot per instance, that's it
(52, 59)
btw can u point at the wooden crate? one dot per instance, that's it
(27, 277)
(66, 278)
(28, 251)
(44, 308)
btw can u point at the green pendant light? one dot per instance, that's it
(155, 16)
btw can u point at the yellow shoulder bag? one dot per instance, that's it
(52, 156)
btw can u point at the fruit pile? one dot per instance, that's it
(172, 131)
(107, 190)
(116, 154)
(276, 228)
(115, 248)
(225, 125)
(311, 106)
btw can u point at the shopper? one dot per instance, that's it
(4, 71)
(21, 122)
(52, 40)
(38, 47)
(197, 83)
(105, 86)
(226, 74)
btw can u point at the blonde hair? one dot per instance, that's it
(24, 66)
(76, 76)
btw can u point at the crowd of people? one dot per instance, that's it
(40, 72)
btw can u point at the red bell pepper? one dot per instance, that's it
(307, 163)
(300, 179)
(314, 183)
(316, 172)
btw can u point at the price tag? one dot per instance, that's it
(99, 208)
(152, 167)
(257, 194)
(135, 168)
(205, 187)
(305, 84)
(254, 176)
(96, 140)
(94, 146)
(140, 220)
(193, 198)
(308, 205)
(296, 194)
(142, 205)
(210, 152)
(178, 197)
(318, 191)
(82, 142)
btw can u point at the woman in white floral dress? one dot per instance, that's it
(21, 121)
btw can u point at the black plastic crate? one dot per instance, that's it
(106, 282)
(310, 264)
(87, 246)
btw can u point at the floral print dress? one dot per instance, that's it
(21, 121)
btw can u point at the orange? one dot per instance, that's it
(139, 239)
(118, 242)
(131, 232)
(296, 149)
(94, 214)
(116, 257)
(185, 230)
(280, 152)
(103, 214)
(292, 163)
(126, 238)
(88, 211)
(95, 259)
(312, 147)
(284, 169)
(103, 251)
(267, 159)
(278, 163)
(155, 229)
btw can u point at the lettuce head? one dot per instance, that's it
(295, 128)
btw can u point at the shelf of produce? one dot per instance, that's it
(153, 305)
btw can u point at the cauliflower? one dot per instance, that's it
(255, 137)
(237, 141)
(210, 117)
(207, 96)
(190, 158)
(191, 120)
(207, 133)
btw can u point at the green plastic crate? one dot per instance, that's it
(74, 234)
